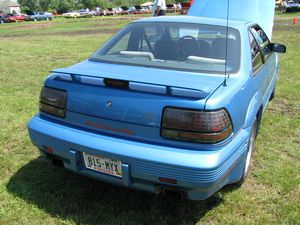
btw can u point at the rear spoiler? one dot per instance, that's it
(66, 75)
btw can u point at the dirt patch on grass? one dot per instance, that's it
(30, 26)
(66, 33)
(285, 107)
(84, 32)
(122, 18)
(287, 28)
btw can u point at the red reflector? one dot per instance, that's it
(167, 180)
(116, 83)
(48, 149)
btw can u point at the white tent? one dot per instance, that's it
(147, 4)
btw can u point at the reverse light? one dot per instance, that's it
(53, 101)
(196, 126)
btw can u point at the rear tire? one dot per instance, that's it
(252, 139)
(272, 95)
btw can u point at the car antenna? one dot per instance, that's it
(226, 45)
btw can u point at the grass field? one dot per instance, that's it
(32, 191)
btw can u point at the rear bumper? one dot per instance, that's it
(199, 173)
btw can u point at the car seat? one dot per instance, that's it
(204, 48)
(166, 49)
(218, 51)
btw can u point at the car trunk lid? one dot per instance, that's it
(257, 11)
(133, 110)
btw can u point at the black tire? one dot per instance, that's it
(247, 164)
(272, 95)
(252, 139)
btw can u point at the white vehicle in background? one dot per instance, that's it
(110, 11)
(119, 10)
(72, 14)
(87, 13)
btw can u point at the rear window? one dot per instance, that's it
(177, 46)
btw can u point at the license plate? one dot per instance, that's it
(103, 165)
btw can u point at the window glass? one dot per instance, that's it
(177, 46)
(121, 46)
(262, 40)
(255, 54)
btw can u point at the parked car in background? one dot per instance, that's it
(293, 6)
(131, 10)
(118, 10)
(72, 14)
(37, 16)
(137, 10)
(87, 14)
(1, 18)
(146, 10)
(124, 10)
(110, 12)
(170, 8)
(168, 104)
(100, 12)
(8, 18)
(185, 6)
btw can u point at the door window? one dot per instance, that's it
(263, 41)
(256, 54)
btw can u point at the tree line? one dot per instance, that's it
(62, 6)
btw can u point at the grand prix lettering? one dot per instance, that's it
(105, 127)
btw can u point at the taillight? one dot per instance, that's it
(196, 126)
(53, 101)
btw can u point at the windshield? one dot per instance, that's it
(177, 46)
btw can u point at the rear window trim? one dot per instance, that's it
(161, 67)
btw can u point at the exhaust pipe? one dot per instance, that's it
(173, 193)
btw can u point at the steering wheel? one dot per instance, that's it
(187, 45)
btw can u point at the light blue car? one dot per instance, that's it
(37, 16)
(168, 104)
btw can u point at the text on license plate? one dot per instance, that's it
(103, 165)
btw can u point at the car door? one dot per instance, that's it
(263, 61)
(41, 16)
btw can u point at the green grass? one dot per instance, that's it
(32, 191)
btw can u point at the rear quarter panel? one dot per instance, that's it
(245, 94)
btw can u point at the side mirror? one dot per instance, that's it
(278, 48)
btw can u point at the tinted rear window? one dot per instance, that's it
(178, 46)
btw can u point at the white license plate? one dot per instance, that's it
(103, 165)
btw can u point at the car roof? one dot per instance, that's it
(195, 19)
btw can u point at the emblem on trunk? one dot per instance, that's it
(108, 104)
